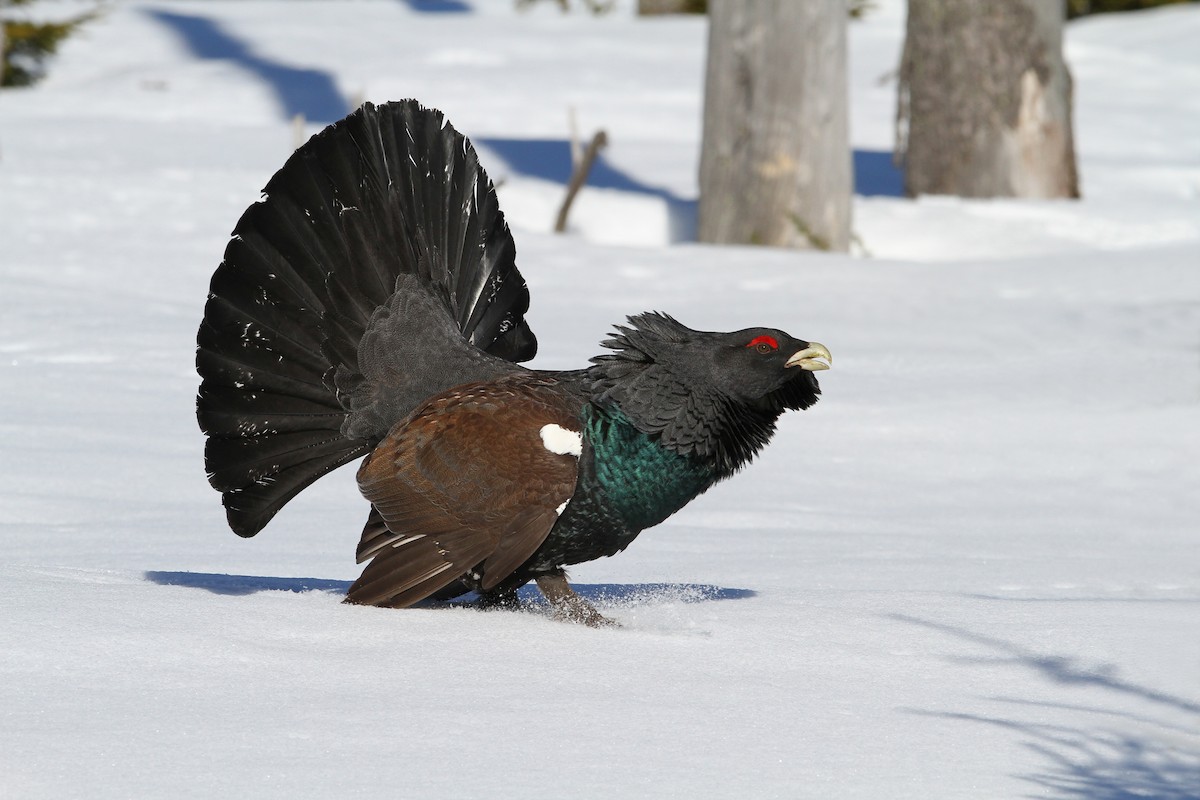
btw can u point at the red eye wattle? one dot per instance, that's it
(759, 341)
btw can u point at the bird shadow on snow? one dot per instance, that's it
(1096, 762)
(218, 583)
(605, 594)
(439, 6)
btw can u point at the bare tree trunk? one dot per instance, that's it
(985, 100)
(3, 3)
(651, 7)
(775, 162)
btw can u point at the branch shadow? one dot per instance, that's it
(1096, 763)
(1085, 599)
(309, 92)
(1057, 669)
(601, 593)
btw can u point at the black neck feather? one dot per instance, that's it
(655, 378)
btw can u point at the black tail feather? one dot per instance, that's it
(389, 192)
(252, 503)
(232, 413)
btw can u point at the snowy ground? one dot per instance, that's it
(972, 571)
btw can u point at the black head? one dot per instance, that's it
(765, 366)
(707, 393)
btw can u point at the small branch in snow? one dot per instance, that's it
(578, 177)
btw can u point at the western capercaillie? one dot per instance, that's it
(370, 305)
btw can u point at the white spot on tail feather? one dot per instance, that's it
(559, 510)
(562, 441)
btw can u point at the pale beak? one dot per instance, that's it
(810, 358)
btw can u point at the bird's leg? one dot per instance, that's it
(567, 604)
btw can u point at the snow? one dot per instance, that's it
(972, 570)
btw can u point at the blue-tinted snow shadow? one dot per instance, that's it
(1085, 599)
(1097, 763)
(300, 90)
(1060, 670)
(245, 584)
(876, 174)
(439, 6)
(634, 593)
(550, 160)
(1094, 762)
(604, 593)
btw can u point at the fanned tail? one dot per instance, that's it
(376, 271)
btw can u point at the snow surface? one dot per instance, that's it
(972, 571)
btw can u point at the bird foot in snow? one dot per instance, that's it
(569, 606)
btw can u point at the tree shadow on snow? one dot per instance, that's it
(300, 90)
(602, 593)
(1096, 763)
(876, 174)
(550, 160)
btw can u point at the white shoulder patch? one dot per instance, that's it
(562, 441)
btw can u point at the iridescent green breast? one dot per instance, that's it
(642, 481)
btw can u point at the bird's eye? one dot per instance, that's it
(764, 344)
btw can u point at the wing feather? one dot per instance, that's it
(463, 486)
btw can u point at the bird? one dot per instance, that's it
(369, 306)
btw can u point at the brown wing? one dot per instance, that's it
(465, 483)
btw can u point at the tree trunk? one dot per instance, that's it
(985, 100)
(654, 7)
(775, 161)
(3, 43)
